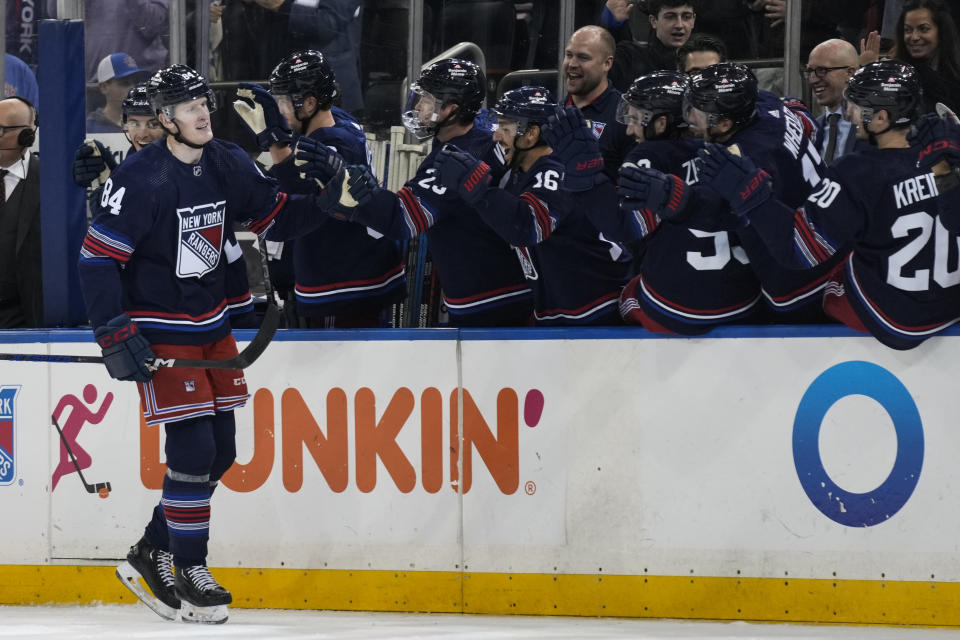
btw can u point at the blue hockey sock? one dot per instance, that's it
(186, 508)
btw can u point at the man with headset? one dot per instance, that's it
(21, 297)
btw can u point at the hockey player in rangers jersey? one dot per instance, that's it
(576, 275)
(876, 208)
(481, 280)
(152, 273)
(93, 163)
(345, 273)
(691, 276)
(721, 106)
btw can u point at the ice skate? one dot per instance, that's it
(201, 598)
(148, 573)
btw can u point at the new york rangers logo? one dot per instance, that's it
(597, 128)
(201, 238)
(8, 396)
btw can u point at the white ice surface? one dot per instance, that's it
(134, 622)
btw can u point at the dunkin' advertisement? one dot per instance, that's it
(622, 456)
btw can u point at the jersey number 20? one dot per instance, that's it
(920, 280)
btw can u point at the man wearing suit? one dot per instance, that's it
(830, 65)
(21, 297)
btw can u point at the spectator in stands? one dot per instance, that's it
(700, 51)
(257, 31)
(117, 73)
(21, 297)
(19, 80)
(926, 37)
(139, 27)
(586, 62)
(672, 22)
(830, 65)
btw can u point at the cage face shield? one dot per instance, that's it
(421, 113)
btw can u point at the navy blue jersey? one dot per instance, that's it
(690, 279)
(481, 280)
(612, 135)
(575, 274)
(776, 142)
(342, 266)
(902, 276)
(155, 247)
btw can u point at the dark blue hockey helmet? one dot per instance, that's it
(173, 85)
(526, 106)
(447, 81)
(137, 103)
(887, 85)
(653, 95)
(724, 90)
(303, 74)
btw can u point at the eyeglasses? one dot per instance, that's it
(4, 129)
(820, 72)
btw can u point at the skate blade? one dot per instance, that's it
(132, 580)
(216, 614)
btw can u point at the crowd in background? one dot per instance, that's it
(365, 42)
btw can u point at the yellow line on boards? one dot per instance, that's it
(705, 598)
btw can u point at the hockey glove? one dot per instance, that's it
(342, 203)
(938, 140)
(316, 161)
(663, 194)
(125, 350)
(92, 164)
(573, 143)
(734, 177)
(461, 172)
(259, 111)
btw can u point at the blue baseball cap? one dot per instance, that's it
(117, 65)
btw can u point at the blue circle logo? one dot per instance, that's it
(873, 381)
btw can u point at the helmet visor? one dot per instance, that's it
(628, 114)
(420, 115)
(507, 127)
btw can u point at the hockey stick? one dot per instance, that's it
(101, 488)
(249, 355)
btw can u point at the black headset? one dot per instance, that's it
(27, 136)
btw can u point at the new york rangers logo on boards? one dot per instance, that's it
(201, 238)
(8, 396)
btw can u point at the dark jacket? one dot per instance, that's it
(24, 203)
(634, 59)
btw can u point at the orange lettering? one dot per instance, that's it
(500, 453)
(431, 440)
(248, 477)
(375, 439)
(300, 429)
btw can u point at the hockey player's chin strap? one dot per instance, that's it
(179, 138)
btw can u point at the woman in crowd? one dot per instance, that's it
(927, 39)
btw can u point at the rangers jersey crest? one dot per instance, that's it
(201, 239)
(8, 395)
(597, 128)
